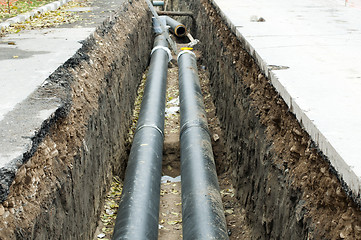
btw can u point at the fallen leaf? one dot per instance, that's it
(174, 222)
(229, 211)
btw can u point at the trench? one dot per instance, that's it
(267, 192)
(275, 183)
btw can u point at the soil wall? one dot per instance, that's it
(284, 183)
(58, 192)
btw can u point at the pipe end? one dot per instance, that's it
(180, 31)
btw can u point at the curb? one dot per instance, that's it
(22, 17)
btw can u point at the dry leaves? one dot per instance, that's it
(48, 19)
(110, 209)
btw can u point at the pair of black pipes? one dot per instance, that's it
(138, 212)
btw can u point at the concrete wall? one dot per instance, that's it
(284, 183)
(58, 192)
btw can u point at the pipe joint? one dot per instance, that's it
(165, 49)
(185, 51)
(150, 126)
(192, 124)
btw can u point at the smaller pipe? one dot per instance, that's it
(158, 3)
(176, 27)
(174, 13)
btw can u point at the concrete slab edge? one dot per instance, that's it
(350, 181)
(23, 17)
(32, 132)
(42, 109)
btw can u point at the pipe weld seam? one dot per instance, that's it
(183, 52)
(188, 125)
(151, 126)
(165, 49)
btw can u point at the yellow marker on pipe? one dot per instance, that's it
(186, 48)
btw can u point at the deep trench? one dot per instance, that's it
(275, 183)
(267, 187)
(170, 214)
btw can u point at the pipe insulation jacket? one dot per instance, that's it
(138, 211)
(176, 27)
(202, 210)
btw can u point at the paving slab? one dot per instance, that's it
(31, 58)
(311, 51)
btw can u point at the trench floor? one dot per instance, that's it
(170, 214)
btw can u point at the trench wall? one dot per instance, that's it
(283, 181)
(59, 191)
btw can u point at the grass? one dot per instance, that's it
(11, 8)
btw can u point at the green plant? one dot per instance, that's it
(7, 4)
(11, 8)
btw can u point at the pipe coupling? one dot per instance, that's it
(194, 123)
(151, 126)
(185, 51)
(165, 49)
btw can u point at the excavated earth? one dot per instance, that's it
(275, 183)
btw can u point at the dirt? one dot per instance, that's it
(171, 149)
(170, 212)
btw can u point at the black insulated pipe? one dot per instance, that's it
(138, 211)
(176, 27)
(202, 210)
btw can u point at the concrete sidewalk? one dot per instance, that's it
(27, 59)
(311, 51)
